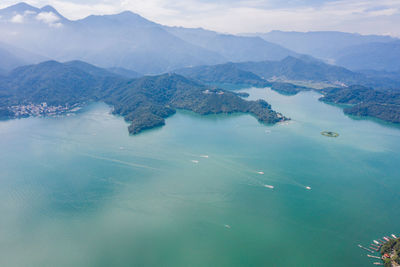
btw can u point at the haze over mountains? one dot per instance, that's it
(12, 57)
(290, 69)
(125, 40)
(353, 51)
(131, 42)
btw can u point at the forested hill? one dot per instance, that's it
(367, 102)
(290, 68)
(231, 74)
(304, 69)
(145, 102)
(156, 97)
(228, 73)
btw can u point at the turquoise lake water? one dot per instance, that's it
(79, 191)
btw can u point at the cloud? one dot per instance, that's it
(18, 18)
(29, 12)
(49, 18)
(236, 16)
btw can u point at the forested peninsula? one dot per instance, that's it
(365, 102)
(144, 102)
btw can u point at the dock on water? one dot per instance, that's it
(376, 246)
(367, 249)
(372, 256)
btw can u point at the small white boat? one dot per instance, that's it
(195, 161)
(269, 186)
(308, 188)
(261, 173)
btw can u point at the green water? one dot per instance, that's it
(79, 191)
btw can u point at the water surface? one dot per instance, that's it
(79, 191)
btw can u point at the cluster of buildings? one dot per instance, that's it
(38, 110)
(208, 92)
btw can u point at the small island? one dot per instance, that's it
(329, 134)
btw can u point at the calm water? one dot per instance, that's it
(79, 191)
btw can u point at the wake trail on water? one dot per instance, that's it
(250, 173)
(241, 170)
(135, 165)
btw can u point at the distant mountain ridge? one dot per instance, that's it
(126, 40)
(12, 57)
(232, 47)
(290, 69)
(353, 51)
(376, 56)
(300, 69)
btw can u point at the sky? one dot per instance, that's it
(245, 16)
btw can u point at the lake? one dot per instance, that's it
(218, 190)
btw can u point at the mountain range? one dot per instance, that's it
(12, 57)
(131, 42)
(126, 40)
(290, 69)
(350, 50)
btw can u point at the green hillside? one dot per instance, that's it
(145, 102)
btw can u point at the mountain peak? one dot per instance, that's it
(290, 59)
(19, 8)
(51, 9)
(126, 18)
(131, 17)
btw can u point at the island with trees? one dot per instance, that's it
(329, 134)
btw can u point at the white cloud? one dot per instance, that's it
(18, 18)
(49, 18)
(29, 12)
(235, 16)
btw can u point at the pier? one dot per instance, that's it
(376, 246)
(372, 256)
(367, 249)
